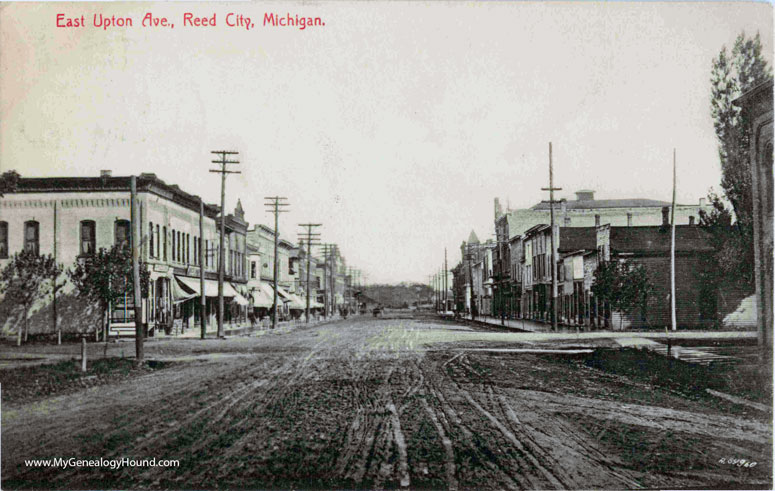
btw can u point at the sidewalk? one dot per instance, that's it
(239, 329)
(563, 331)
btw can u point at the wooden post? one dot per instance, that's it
(276, 264)
(83, 354)
(554, 241)
(54, 287)
(221, 253)
(672, 255)
(136, 242)
(203, 297)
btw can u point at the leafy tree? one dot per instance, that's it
(732, 75)
(105, 277)
(26, 278)
(624, 286)
(8, 182)
(732, 260)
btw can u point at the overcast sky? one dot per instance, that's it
(395, 125)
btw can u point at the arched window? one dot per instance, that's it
(151, 249)
(122, 233)
(32, 236)
(88, 241)
(3, 240)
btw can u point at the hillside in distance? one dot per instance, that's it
(402, 295)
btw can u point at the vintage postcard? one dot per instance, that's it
(386, 244)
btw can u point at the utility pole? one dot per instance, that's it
(430, 284)
(469, 256)
(551, 190)
(223, 162)
(203, 297)
(446, 289)
(275, 205)
(325, 279)
(439, 285)
(136, 242)
(311, 238)
(673, 322)
(334, 251)
(436, 291)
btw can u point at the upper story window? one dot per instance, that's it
(158, 245)
(32, 236)
(88, 237)
(3, 240)
(252, 270)
(152, 249)
(164, 238)
(122, 233)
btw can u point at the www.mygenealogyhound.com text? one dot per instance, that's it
(101, 462)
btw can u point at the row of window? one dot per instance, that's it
(31, 238)
(88, 228)
(183, 249)
(87, 239)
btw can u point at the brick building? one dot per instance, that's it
(584, 211)
(73, 217)
(649, 246)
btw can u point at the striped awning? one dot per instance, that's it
(263, 296)
(211, 287)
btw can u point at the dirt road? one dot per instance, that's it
(368, 403)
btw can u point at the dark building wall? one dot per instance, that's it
(695, 308)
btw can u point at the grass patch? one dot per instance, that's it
(746, 381)
(35, 382)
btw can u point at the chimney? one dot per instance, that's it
(106, 173)
(597, 220)
(585, 195)
(691, 220)
(702, 202)
(666, 216)
(629, 219)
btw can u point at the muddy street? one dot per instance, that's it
(374, 403)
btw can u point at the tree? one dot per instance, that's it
(8, 182)
(731, 76)
(106, 276)
(25, 279)
(625, 287)
(732, 261)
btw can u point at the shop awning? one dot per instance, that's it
(211, 287)
(293, 301)
(263, 296)
(181, 293)
(298, 303)
(239, 298)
